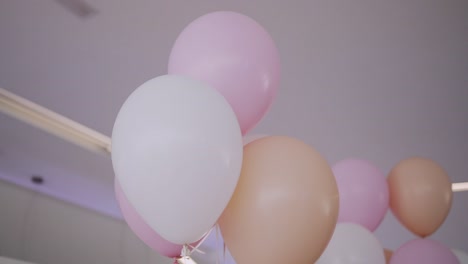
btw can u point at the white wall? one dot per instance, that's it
(43, 230)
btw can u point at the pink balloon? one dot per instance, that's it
(363, 189)
(142, 230)
(236, 56)
(423, 251)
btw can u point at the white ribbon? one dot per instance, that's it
(187, 250)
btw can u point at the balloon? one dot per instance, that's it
(423, 251)
(363, 193)
(177, 153)
(235, 55)
(142, 230)
(420, 195)
(250, 138)
(352, 244)
(388, 255)
(285, 206)
(461, 256)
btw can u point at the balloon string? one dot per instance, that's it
(224, 252)
(185, 251)
(217, 243)
(198, 245)
(224, 245)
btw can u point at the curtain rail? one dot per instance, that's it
(49, 121)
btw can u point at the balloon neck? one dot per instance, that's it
(185, 260)
(185, 256)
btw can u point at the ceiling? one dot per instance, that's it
(380, 80)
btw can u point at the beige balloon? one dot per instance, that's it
(285, 206)
(420, 195)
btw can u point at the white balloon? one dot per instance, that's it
(177, 153)
(352, 244)
(462, 256)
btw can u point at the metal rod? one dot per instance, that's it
(460, 187)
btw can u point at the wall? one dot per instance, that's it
(43, 230)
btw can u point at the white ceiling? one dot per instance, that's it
(381, 80)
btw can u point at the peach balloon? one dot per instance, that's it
(420, 195)
(285, 206)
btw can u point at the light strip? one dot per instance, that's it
(75, 132)
(52, 122)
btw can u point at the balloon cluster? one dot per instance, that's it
(421, 198)
(418, 192)
(184, 164)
